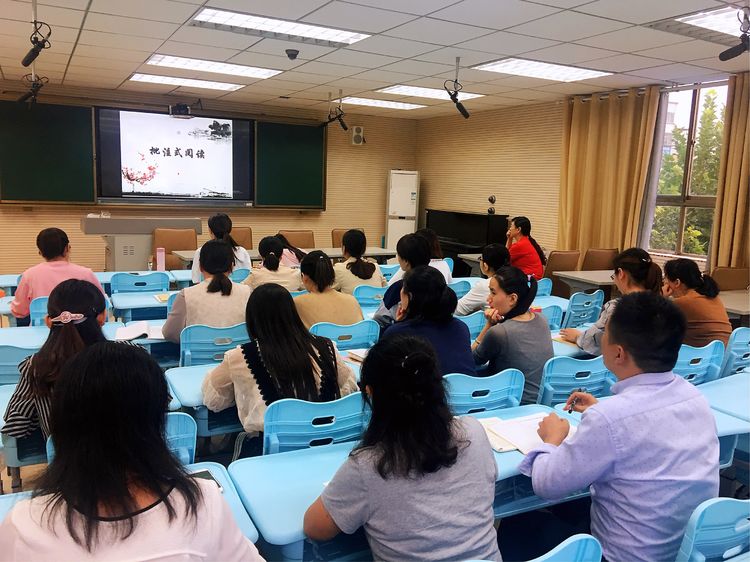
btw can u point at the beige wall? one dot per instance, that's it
(356, 193)
(513, 153)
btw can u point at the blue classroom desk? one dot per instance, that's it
(33, 337)
(183, 277)
(9, 282)
(5, 309)
(730, 395)
(292, 481)
(126, 303)
(544, 302)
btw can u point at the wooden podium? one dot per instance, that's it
(128, 239)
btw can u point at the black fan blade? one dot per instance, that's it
(737, 50)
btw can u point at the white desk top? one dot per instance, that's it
(736, 302)
(595, 277)
(470, 257)
(188, 255)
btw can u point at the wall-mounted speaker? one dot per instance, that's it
(358, 135)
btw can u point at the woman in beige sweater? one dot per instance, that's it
(272, 270)
(355, 270)
(323, 303)
(283, 360)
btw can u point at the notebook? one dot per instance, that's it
(137, 330)
(516, 433)
(357, 354)
(162, 297)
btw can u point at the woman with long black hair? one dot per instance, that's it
(438, 470)
(272, 268)
(220, 227)
(525, 253)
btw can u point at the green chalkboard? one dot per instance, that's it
(46, 153)
(290, 166)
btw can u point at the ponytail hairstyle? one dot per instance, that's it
(355, 242)
(299, 254)
(524, 225)
(436, 252)
(270, 249)
(411, 429)
(317, 266)
(430, 298)
(495, 256)
(642, 270)
(512, 280)
(687, 272)
(69, 333)
(221, 225)
(216, 259)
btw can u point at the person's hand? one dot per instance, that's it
(553, 429)
(583, 401)
(508, 235)
(400, 313)
(570, 334)
(492, 316)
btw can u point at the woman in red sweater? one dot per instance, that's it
(525, 253)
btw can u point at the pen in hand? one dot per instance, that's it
(575, 400)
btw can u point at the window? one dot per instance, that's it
(689, 172)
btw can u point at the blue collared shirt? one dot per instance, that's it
(650, 454)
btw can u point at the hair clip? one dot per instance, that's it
(66, 317)
(272, 253)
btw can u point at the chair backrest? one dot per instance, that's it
(460, 287)
(598, 259)
(297, 293)
(299, 238)
(561, 261)
(718, 529)
(731, 278)
(475, 321)
(737, 354)
(170, 302)
(544, 287)
(467, 394)
(10, 357)
(554, 316)
(243, 235)
(38, 310)
(389, 271)
(174, 239)
(700, 364)
(132, 283)
(369, 297)
(449, 261)
(240, 274)
(362, 334)
(583, 308)
(578, 548)
(563, 375)
(200, 344)
(291, 424)
(337, 237)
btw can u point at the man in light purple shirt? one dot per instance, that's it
(650, 452)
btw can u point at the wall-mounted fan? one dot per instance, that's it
(744, 46)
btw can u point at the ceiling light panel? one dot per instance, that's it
(432, 93)
(212, 66)
(723, 20)
(276, 29)
(174, 81)
(381, 103)
(543, 70)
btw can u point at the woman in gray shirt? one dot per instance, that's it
(514, 337)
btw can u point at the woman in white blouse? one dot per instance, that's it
(220, 227)
(494, 256)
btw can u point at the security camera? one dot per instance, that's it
(292, 53)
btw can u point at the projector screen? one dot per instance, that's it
(151, 156)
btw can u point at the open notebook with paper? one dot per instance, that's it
(516, 433)
(138, 330)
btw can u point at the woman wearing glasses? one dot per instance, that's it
(634, 271)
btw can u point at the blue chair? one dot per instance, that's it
(460, 287)
(475, 321)
(10, 357)
(23, 451)
(200, 344)
(369, 298)
(578, 548)
(170, 302)
(468, 395)
(563, 375)
(718, 529)
(583, 308)
(544, 287)
(737, 354)
(449, 261)
(554, 316)
(389, 271)
(700, 364)
(38, 310)
(361, 335)
(298, 293)
(133, 283)
(292, 424)
(239, 275)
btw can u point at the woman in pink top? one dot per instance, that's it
(39, 280)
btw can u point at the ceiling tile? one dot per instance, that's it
(683, 52)
(503, 43)
(642, 11)
(624, 63)
(677, 72)
(214, 38)
(509, 80)
(131, 86)
(738, 64)
(195, 51)
(129, 26)
(328, 69)
(97, 63)
(484, 89)
(116, 41)
(528, 94)
(198, 92)
(568, 53)
(13, 30)
(632, 38)
(392, 46)
(112, 54)
(567, 26)
(263, 60)
(448, 56)
(357, 58)
(298, 76)
(278, 47)
(563, 3)
(487, 13)
(157, 10)
(355, 17)
(108, 83)
(52, 15)
(417, 7)
(420, 68)
(622, 81)
(355, 84)
(437, 31)
(572, 88)
(246, 95)
(74, 4)
(385, 76)
(284, 9)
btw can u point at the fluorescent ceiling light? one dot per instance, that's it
(543, 70)
(723, 20)
(275, 29)
(381, 103)
(432, 93)
(212, 66)
(173, 81)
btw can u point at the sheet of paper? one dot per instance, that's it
(496, 441)
(522, 432)
(162, 297)
(137, 330)
(357, 354)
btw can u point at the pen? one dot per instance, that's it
(575, 400)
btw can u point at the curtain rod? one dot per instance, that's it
(641, 90)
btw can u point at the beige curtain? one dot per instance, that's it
(606, 154)
(729, 241)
